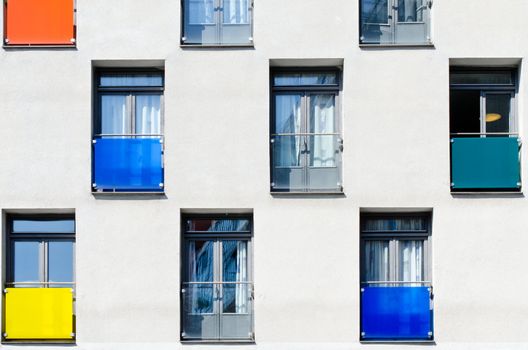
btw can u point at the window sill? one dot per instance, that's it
(40, 46)
(488, 193)
(130, 194)
(223, 342)
(308, 194)
(218, 46)
(400, 342)
(39, 342)
(395, 46)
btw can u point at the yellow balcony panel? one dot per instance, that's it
(39, 313)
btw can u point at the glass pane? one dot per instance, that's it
(374, 11)
(502, 78)
(287, 151)
(498, 112)
(201, 263)
(115, 118)
(143, 79)
(411, 261)
(323, 151)
(376, 264)
(198, 299)
(201, 11)
(287, 114)
(236, 11)
(222, 225)
(322, 114)
(464, 111)
(26, 262)
(395, 224)
(411, 10)
(297, 79)
(235, 269)
(44, 226)
(148, 114)
(60, 262)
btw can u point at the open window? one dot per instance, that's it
(37, 22)
(483, 124)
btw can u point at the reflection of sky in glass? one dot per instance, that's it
(44, 226)
(374, 11)
(60, 264)
(26, 261)
(201, 269)
(146, 79)
(222, 225)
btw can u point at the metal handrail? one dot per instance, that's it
(484, 133)
(39, 283)
(121, 135)
(397, 282)
(217, 282)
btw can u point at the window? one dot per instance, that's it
(396, 290)
(306, 141)
(37, 22)
(484, 138)
(40, 278)
(217, 22)
(395, 22)
(128, 132)
(217, 292)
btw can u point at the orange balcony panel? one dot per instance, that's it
(40, 22)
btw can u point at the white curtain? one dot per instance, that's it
(287, 121)
(148, 114)
(236, 11)
(376, 260)
(322, 120)
(201, 11)
(114, 116)
(241, 303)
(200, 256)
(410, 10)
(411, 261)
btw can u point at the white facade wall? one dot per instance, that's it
(395, 119)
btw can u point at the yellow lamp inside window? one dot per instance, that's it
(492, 117)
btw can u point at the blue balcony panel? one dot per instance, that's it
(128, 164)
(485, 163)
(396, 313)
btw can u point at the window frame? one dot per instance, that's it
(305, 91)
(218, 23)
(216, 237)
(392, 23)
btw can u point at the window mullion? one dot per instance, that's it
(44, 262)
(132, 113)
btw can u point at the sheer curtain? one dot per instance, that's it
(374, 11)
(236, 11)
(201, 11)
(148, 113)
(410, 10)
(200, 256)
(376, 261)
(322, 121)
(235, 296)
(114, 116)
(411, 261)
(288, 121)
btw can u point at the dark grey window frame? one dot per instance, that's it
(307, 90)
(183, 14)
(187, 236)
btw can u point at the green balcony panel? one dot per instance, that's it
(485, 163)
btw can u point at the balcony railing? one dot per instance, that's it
(485, 161)
(217, 310)
(128, 163)
(39, 313)
(396, 311)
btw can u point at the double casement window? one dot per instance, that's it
(40, 278)
(388, 22)
(396, 290)
(306, 142)
(217, 292)
(217, 22)
(37, 22)
(128, 132)
(484, 139)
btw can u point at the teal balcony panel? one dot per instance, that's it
(485, 163)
